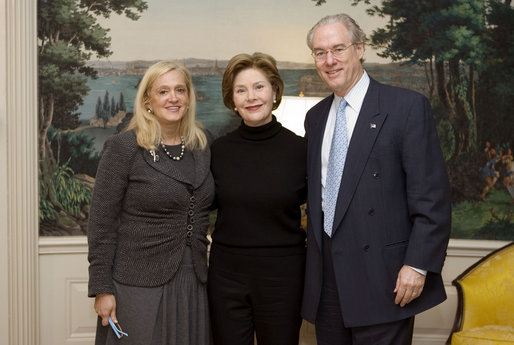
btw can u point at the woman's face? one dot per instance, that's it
(169, 98)
(253, 97)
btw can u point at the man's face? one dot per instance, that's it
(343, 72)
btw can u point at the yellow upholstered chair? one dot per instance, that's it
(485, 311)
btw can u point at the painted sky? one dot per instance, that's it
(219, 29)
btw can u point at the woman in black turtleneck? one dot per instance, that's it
(257, 258)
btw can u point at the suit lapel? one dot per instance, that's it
(315, 140)
(165, 166)
(366, 130)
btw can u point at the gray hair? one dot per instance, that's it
(356, 33)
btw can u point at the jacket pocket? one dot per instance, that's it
(393, 255)
(397, 244)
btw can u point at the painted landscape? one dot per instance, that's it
(463, 64)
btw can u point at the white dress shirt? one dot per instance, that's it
(354, 98)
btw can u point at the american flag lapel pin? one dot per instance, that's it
(373, 125)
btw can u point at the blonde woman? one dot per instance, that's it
(149, 219)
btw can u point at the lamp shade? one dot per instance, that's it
(292, 110)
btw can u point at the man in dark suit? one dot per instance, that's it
(378, 200)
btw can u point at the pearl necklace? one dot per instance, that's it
(182, 148)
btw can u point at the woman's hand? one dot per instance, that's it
(105, 306)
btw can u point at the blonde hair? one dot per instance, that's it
(145, 124)
(263, 62)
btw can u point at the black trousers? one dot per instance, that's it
(330, 329)
(251, 295)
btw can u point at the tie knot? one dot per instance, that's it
(342, 105)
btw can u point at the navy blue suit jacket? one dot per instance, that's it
(393, 208)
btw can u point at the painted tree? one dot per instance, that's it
(496, 87)
(121, 103)
(68, 36)
(114, 109)
(446, 37)
(467, 48)
(99, 108)
(107, 108)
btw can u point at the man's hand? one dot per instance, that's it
(105, 306)
(409, 285)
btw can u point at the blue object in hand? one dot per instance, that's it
(117, 329)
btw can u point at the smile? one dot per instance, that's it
(174, 108)
(253, 107)
(333, 72)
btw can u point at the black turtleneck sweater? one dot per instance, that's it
(260, 179)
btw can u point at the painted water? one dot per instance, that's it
(210, 108)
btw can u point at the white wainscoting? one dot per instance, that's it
(67, 315)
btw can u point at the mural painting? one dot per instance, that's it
(459, 53)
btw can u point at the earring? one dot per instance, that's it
(149, 110)
(274, 101)
(235, 109)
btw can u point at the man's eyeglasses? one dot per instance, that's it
(337, 52)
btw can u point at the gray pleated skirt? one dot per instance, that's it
(173, 314)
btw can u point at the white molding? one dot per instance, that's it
(435, 338)
(62, 245)
(4, 245)
(473, 248)
(78, 244)
(76, 324)
(19, 155)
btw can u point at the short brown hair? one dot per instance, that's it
(264, 63)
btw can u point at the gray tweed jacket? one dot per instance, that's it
(143, 214)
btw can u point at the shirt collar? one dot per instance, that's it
(355, 97)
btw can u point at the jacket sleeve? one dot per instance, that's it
(111, 182)
(427, 187)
